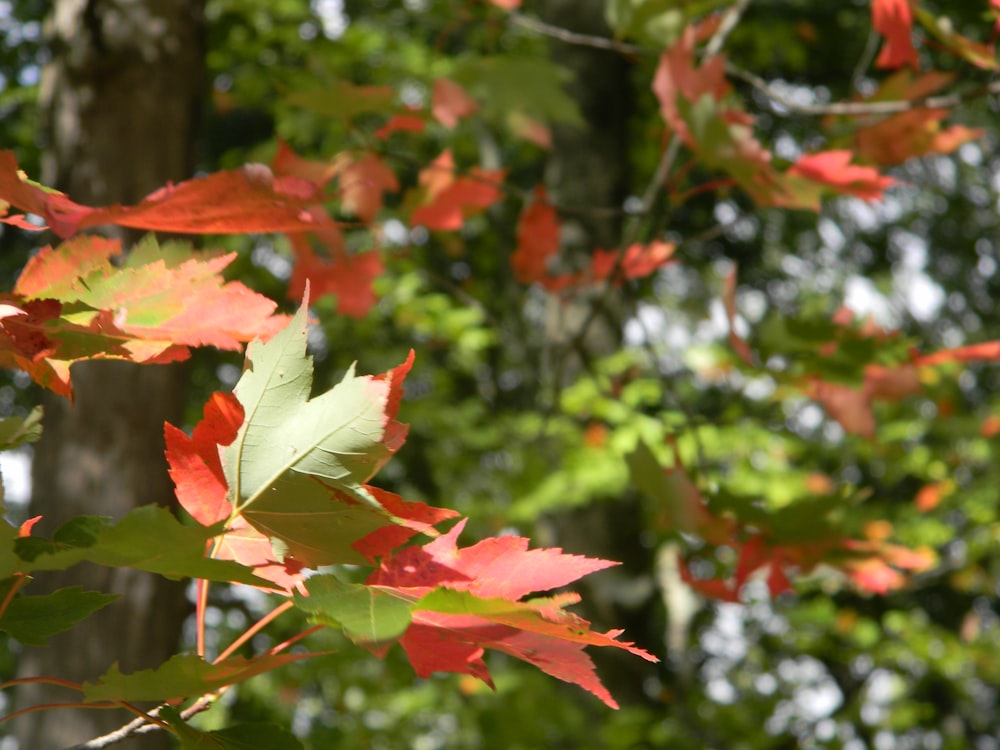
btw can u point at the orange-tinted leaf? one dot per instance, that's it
(848, 406)
(161, 302)
(500, 567)
(363, 180)
(409, 123)
(288, 163)
(237, 201)
(990, 426)
(892, 383)
(537, 239)
(478, 608)
(450, 103)
(530, 129)
(449, 200)
(677, 76)
(910, 134)
(349, 277)
(943, 30)
(893, 19)
(930, 495)
(834, 168)
(414, 518)
(637, 262)
(988, 350)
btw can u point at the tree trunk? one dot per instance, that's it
(589, 167)
(121, 97)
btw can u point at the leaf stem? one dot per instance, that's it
(255, 628)
(22, 578)
(47, 680)
(295, 639)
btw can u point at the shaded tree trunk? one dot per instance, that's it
(121, 98)
(589, 167)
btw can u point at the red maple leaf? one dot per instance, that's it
(239, 201)
(450, 103)
(495, 574)
(677, 76)
(349, 277)
(893, 19)
(201, 488)
(537, 239)
(450, 200)
(196, 468)
(160, 302)
(402, 123)
(363, 179)
(834, 168)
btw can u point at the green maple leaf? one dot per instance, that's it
(32, 619)
(297, 468)
(181, 676)
(149, 538)
(251, 736)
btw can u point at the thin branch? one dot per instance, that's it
(255, 628)
(946, 101)
(47, 680)
(581, 40)
(891, 107)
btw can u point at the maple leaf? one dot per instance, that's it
(237, 201)
(677, 77)
(530, 129)
(77, 304)
(981, 55)
(834, 168)
(537, 239)
(450, 200)
(893, 19)
(310, 493)
(402, 123)
(349, 277)
(287, 162)
(363, 179)
(467, 600)
(851, 407)
(306, 504)
(637, 262)
(450, 103)
(911, 134)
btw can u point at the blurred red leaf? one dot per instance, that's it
(849, 406)
(406, 123)
(893, 19)
(450, 103)
(240, 201)
(834, 168)
(449, 200)
(537, 239)
(363, 179)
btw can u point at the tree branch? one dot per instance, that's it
(891, 107)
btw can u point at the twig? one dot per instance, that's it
(581, 40)
(891, 107)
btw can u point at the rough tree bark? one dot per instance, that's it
(589, 167)
(121, 97)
